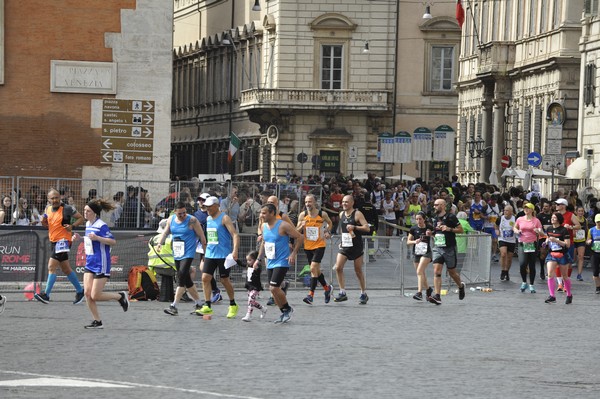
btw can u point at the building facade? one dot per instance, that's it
(308, 87)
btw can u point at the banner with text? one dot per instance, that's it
(443, 143)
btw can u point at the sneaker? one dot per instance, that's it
(461, 291)
(263, 312)
(124, 301)
(560, 288)
(172, 310)
(248, 317)
(502, 275)
(506, 276)
(43, 298)
(287, 315)
(204, 309)
(79, 296)
(579, 278)
(531, 288)
(271, 301)
(328, 293)
(435, 299)
(597, 290)
(233, 309)
(196, 310)
(186, 298)
(95, 325)
(550, 299)
(418, 296)
(308, 300)
(2, 304)
(216, 297)
(364, 298)
(523, 286)
(569, 299)
(341, 297)
(428, 293)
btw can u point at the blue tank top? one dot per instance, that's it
(218, 239)
(184, 239)
(277, 248)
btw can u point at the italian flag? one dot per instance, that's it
(234, 144)
(460, 13)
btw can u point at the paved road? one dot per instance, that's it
(502, 344)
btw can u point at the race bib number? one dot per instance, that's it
(555, 247)
(312, 233)
(580, 235)
(529, 247)
(596, 246)
(346, 240)
(212, 238)
(421, 248)
(178, 248)
(87, 245)
(440, 240)
(270, 250)
(62, 246)
(508, 233)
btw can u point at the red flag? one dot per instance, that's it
(460, 13)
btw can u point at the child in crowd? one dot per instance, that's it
(254, 286)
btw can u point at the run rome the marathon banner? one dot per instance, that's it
(421, 144)
(443, 143)
(19, 255)
(402, 147)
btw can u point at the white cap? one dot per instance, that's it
(562, 201)
(211, 201)
(161, 226)
(204, 196)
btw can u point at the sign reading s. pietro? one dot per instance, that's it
(83, 77)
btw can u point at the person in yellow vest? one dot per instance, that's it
(57, 218)
(162, 262)
(316, 225)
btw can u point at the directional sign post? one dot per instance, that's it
(534, 159)
(127, 131)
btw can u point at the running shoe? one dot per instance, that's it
(569, 299)
(196, 310)
(95, 325)
(523, 286)
(263, 312)
(436, 299)
(124, 301)
(172, 310)
(279, 319)
(2, 304)
(502, 275)
(79, 297)
(308, 300)
(418, 296)
(204, 309)
(531, 288)
(579, 278)
(286, 316)
(186, 298)
(364, 298)
(597, 290)
(43, 298)
(550, 299)
(461, 291)
(428, 293)
(328, 293)
(506, 276)
(216, 297)
(248, 317)
(271, 301)
(233, 309)
(341, 297)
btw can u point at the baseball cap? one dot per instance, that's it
(211, 201)
(161, 226)
(561, 201)
(529, 205)
(597, 218)
(204, 196)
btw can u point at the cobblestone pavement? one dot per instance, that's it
(502, 344)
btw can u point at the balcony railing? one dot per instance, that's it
(349, 100)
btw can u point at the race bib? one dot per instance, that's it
(580, 235)
(87, 245)
(508, 233)
(212, 238)
(440, 240)
(529, 247)
(178, 248)
(336, 204)
(554, 246)
(596, 246)
(270, 250)
(421, 248)
(62, 246)
(312, 233)
(249, 274)
(346, 240)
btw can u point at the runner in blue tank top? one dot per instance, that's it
(275, 247)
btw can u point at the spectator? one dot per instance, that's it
(6, 210)
(118, 198)
(23, 216)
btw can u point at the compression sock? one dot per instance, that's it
(568, 287)
(551, 287)
(73, 279)
(313, 284)
(50, 283)
(322, 280)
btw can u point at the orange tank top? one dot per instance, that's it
(56, 231)
(313, 232)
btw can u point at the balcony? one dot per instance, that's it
(305, 99)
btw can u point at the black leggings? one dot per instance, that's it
(183, 272)
(527, 259)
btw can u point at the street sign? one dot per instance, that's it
(534, 159)
(352, 153)
(302, 157)
(127, 131)
(506, 161)
(552, 161)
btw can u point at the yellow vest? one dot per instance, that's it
(165, 260)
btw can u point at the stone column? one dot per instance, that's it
(497, 140)
(486, 134)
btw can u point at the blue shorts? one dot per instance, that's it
(491, 231)
(565, 260)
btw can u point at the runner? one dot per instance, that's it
(594, 241)
(58, 219)
(558, 243)
(421, 254)
(97, 242)
(528, 227)
(315, 225)
(506, 242)
(571, 223)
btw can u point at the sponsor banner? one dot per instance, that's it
(19, 256)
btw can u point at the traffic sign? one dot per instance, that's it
(127, 131)
(534, 158)
(352, 153)
(506, 161)
(302, 157)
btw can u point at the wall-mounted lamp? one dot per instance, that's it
(477, 149)
(256, 6)
(427, 14)
(365, 49)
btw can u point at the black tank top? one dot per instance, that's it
(351, 220)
